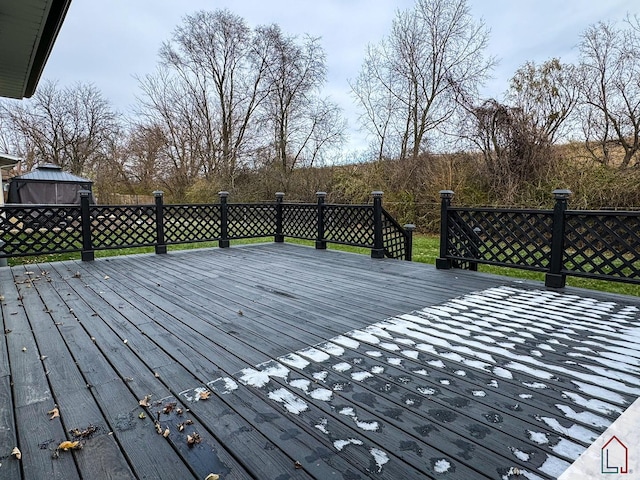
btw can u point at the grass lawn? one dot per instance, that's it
(426, 249)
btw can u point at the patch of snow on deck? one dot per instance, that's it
(341, 367)
(506, 332)
(380, 457)
(441, 466)
(340, 444)
(291, 402)
(314, 354)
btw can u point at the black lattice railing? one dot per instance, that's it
(602, 244)
(191, 223)
(501, 237)
(32, 230)
(349, 224)
(26, 230)
(395, 238)
(251, 220)
(122, 226)
(300, 221)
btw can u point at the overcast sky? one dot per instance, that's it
(108, 42)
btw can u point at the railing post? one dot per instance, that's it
(224, 220)
(87, 254)
(554, 278)
(378, 242)
(443, 262)
(408, 253)
(161, 246)
(279, 238)
(321, 244)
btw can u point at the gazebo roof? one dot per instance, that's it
(50, 172)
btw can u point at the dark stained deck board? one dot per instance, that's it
(519, 378)
(32, 396)
(283, 343)
(453, 449)
(180, 316)
(250, 446)
(286, 427)
(101, 378)
(204, 367)
(299, 312)
(111, 398)
(254, 337)
(104, 285)
(8, 430)
(79, 411)
(531, 447)
(142, 380)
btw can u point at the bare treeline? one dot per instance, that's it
(231, 107)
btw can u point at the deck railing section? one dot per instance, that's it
(53, 229)
(558, 242)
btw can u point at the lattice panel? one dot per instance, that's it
(42, 229)
(191, 223)
(123, 226)
(603, 244)
(394, 237)
(508, 237)
(251, 220)
(300, 221)
(352, 224)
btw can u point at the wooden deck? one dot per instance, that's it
(278, 361)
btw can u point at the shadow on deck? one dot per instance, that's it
(280, 361)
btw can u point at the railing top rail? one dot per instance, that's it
(626, 213)
(500, 209)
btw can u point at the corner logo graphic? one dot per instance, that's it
(615, 457)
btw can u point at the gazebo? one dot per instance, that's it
(47, 184)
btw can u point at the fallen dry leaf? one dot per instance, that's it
(158, 428)
(193, 439)
(55, 413)
(204, 395)
(166, 432)
(24, 349)
(212, 476)
(86, 433)
(297, 465)
(168, 408)
(142, 416)
(145, 401)
(67, 445)
(16, 453)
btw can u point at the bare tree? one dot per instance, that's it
(301, 126)
(515, 149)
(169, 114)
(548, 94)
(610, 91)
(215, 60)
(411, 81)
(70, 127)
